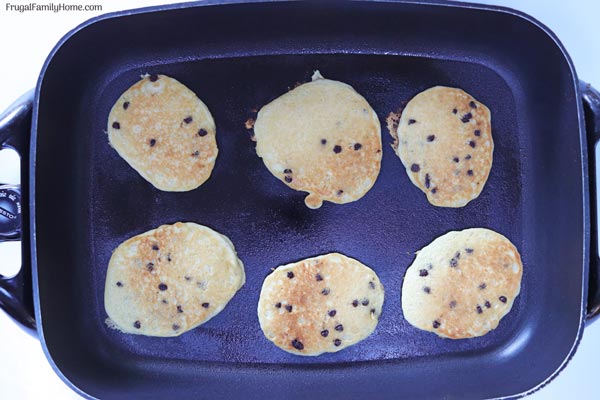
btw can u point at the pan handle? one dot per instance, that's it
(16, 293)
(15, 126)
(591, 106)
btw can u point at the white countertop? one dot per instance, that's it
(27, 38)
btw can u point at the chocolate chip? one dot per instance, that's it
(187, 278)
(470, 172)
(453, 304)
(205, 305)
(434, 190)
(453, 263)
(288, 307)
(196, 153)
(365, 302)
(430, 138)
(278, 305)
(469, 250)
(468, 157)
(373, 311)
(150, 267)
(427, 289)
(137, 324)
(411, 121)
(155, 247)
(116, 125)
(466, 118)
(372, 285)
(340, 192)
(415, 168)
(325, 291)
(482, 286)
(290, 275)
(179, 309)
(339, 327)
(318, 277)
(125, 105)
(487, 304)
(479, 310)
(165, 301)
(175, 327)
(454, 111)
(423, 272)
(427, 181)
(502, 299)
(332, 313)
(337, 149)
(162, 287)
(323, 141)
(153, 78)
(355, 303)
(202, 132)
(119, 284)
(472, 104)
(152, 142)
(297, 344)
(357, 146)
(287, 171)
(455, 159)
(472, 144)
(324, 333)
(436, 324)
(187, 120)
(477, 132)
(337, 342)
(169, 257)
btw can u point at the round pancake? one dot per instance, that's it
(445, 143)
(169, 280)
(164, 132)
(322, 138)
(320, 305)
(462, 283)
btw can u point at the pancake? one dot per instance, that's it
(445, 143)
(164, 132)
(462, 284)
(320, 305)
(322, 138)
(169, 280)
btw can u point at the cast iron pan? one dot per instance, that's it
(85, 199)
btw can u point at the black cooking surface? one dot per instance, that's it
(269, 223)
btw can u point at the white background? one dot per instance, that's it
(25, 41)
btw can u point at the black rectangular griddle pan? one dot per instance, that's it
(80, 199)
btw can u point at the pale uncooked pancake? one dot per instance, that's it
(462, 284)
(320, 305)
(445, 143)
(322, 138)
(169, 280)
(165, 132)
